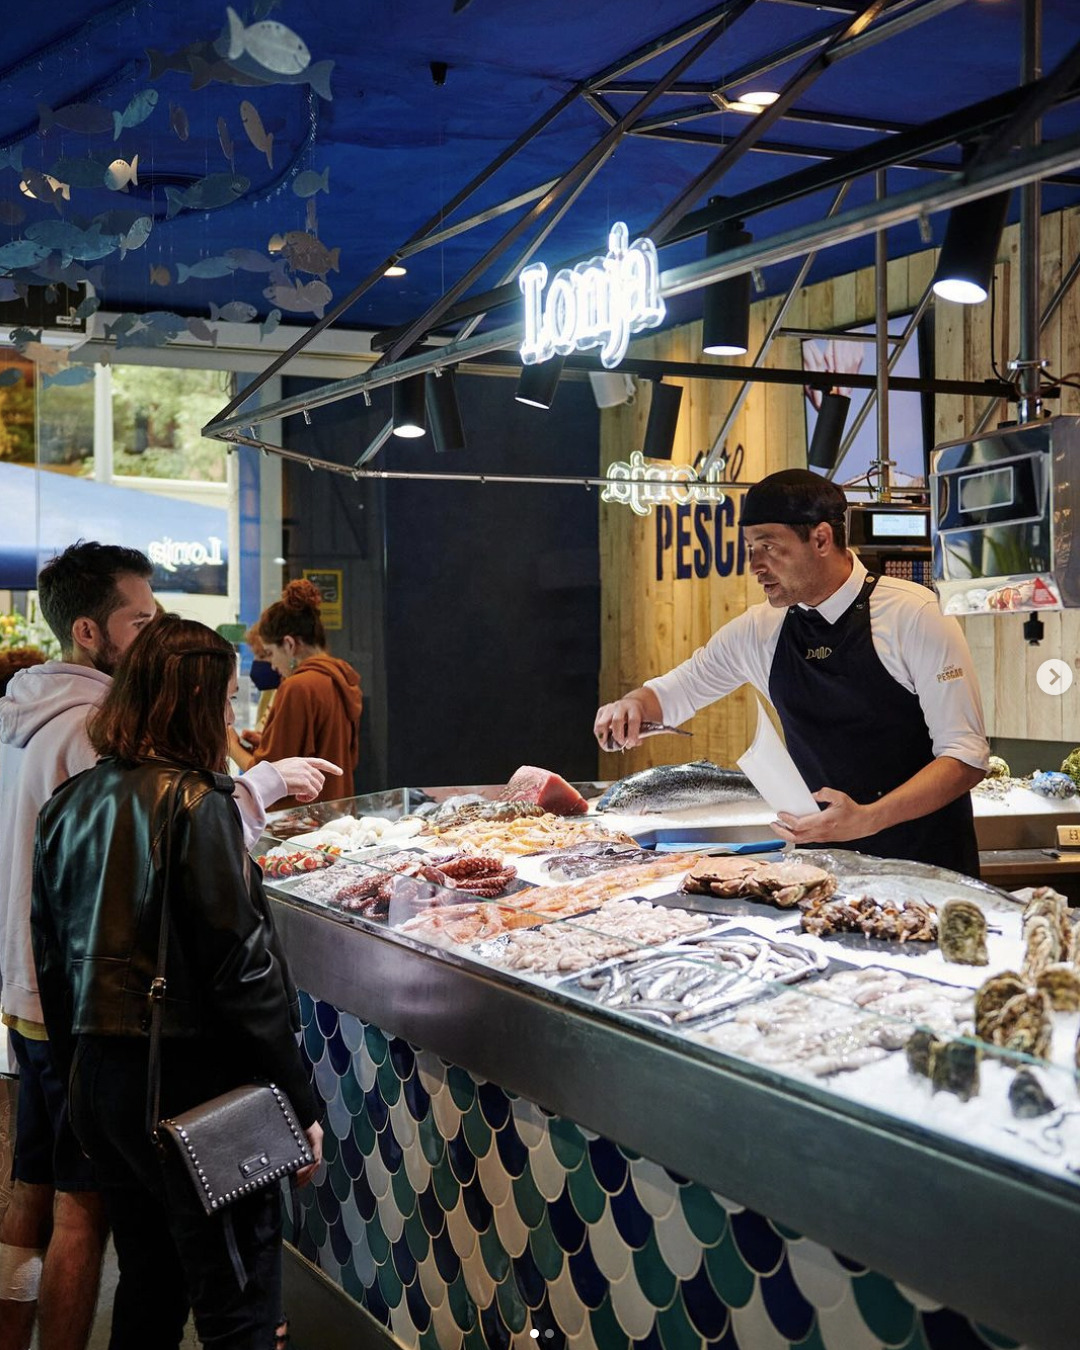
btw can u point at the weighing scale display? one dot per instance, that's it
(899, 525)
(988, 488)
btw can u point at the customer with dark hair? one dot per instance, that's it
(316, 709)
(97, 599)
(229, 1013)
(15, 659)
(873, 684)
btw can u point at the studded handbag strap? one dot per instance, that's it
(156, 996)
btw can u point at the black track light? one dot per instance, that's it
(409, 407)
(828, 430)
(725, 327)
(538, 382)
(663, 419)
(969, 252)
(443, 412)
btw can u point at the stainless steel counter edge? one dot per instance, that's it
(927, 1212)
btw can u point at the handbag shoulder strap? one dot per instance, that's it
(156, 994)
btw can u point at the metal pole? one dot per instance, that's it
(881, 296)
(1028, 365)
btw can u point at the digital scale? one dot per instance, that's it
(893, 540)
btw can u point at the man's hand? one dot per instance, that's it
(251, 737)
(842, 819)
(617, 725)
(304, 777)
(314, 1137)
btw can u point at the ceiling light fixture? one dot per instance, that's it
(663, 420)
(725, 326)
(537, 383)
(409, 420)
(828, 431)
(969, 252)
(395, 270)
(760, 98)
(443, 411)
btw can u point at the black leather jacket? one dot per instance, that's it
(96, 919)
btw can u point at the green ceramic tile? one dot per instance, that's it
(416, 1236)
(728, 1273)
(477, 1131)
(447, 1186)
(429, 1340)
(606, 1330)
(364, 1133)
(885, 1310)
(496, 1260)
(461, 1305)
(812, 1340)
(388, 1082)
(315, 1225)
(514, 1312)
(546, 1252)
(352, 1094)
(474, 1338)
(531, 1205)
(377, 1240)
(462, 1087)
(655, 1279)
(351, 1282)
(675, 1328)
(404, 1195)
(340, 1181)
(331, 1146)
(376, 1043)
(567, 1142)
(788, 1234)
(916, 1341)
(389, 1284)
(432, 1143)
(705, 1215)
(586, 1193)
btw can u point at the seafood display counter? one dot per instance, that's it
(579, 1092)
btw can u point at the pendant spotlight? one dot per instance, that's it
(611, 389)
(970, 249)
(663, 420)
(537, 383)
(443, 411)
(725, 327)
(409, 407)
(828, 431)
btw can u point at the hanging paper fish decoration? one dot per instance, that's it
(121, 173)
(216, 189)
(71, 273)
(89, 306)
(21, 338)
(269, 323)
(81, 173)
(204, 269)
(137, 235)
(72, 243)
(262, 8)
(11, 213)
(160, 276)
(12, 375)
(247, 71)
(311, 217)
(250, 260)
(313, 297)
(122, 324)
(257, 134)
(138, 110)
(69, 375)
(236, 311)
(21, 253)
(44, 188)
(162, 62)
(164, 321)
(178, 120)
(201, 330)
(309, 182)
(307, 254)
(11, 157)
(274, 46)
(89, 119)
(226, 143)
(29, 344)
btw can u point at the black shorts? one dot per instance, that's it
(46, 1151)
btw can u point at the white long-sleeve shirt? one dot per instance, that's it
(921, 648)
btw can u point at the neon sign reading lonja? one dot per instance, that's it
(598, 303)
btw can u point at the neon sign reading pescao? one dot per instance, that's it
(172, 553)
(641, 485)
(598, 303)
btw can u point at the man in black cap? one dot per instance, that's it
(873, 684)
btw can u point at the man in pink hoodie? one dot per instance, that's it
(96, 598)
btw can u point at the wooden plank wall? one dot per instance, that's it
(650, 623)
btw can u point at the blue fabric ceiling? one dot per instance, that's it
(390, 145)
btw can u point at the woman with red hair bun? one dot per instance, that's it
(316, 710)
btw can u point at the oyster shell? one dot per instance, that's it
(1043, 945)
(921, 1048)
(1027, 1096)
(962, 933)
(1061, 985)
(991, 997)
(1023, 1024)
(955, 1068)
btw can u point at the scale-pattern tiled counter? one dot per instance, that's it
(461, 1215)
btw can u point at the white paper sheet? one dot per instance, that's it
(772, 771)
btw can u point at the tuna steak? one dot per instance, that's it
(546, 789)
(675, 787)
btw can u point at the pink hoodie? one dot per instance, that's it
(43, 743)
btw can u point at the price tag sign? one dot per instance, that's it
(331, 588)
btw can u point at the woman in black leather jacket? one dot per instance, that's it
(230, 1010)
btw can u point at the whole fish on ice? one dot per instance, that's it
(675, 787)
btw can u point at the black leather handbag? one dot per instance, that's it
(234, 1144)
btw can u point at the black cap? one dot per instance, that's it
(793, 497)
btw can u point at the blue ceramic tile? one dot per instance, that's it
(339, 1053)
(351, 1155)
(651, 1342)
(364, 1197)
(431, 1212)
(376, 1109)
(703, 1306)
(404, 1263)
(376, 1305)
(759, 1245)
(587, 1277)
(462, 1162)
(477, 1205)
(512, 1152)
(609, 1166)
(402, 1057)
(529, 1281)
(446, 1259)
(849, 1264)
(329, 1204)
(494, 1104)
(496, 1333)
(566, 1222)
(307, 1007)
(418, 1306)
(788, 1310)
(327, 1018)
(340, 1242)
(947, 1330)
(390, 1149)
(416, 1097)
(631, 1218)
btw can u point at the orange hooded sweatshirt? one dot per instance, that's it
(316, 711)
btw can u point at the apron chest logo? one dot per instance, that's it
(818, 653)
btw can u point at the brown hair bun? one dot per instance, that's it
(302, 594)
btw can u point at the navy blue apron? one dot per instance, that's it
(849, 725)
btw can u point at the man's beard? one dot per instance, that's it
(107, 658)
